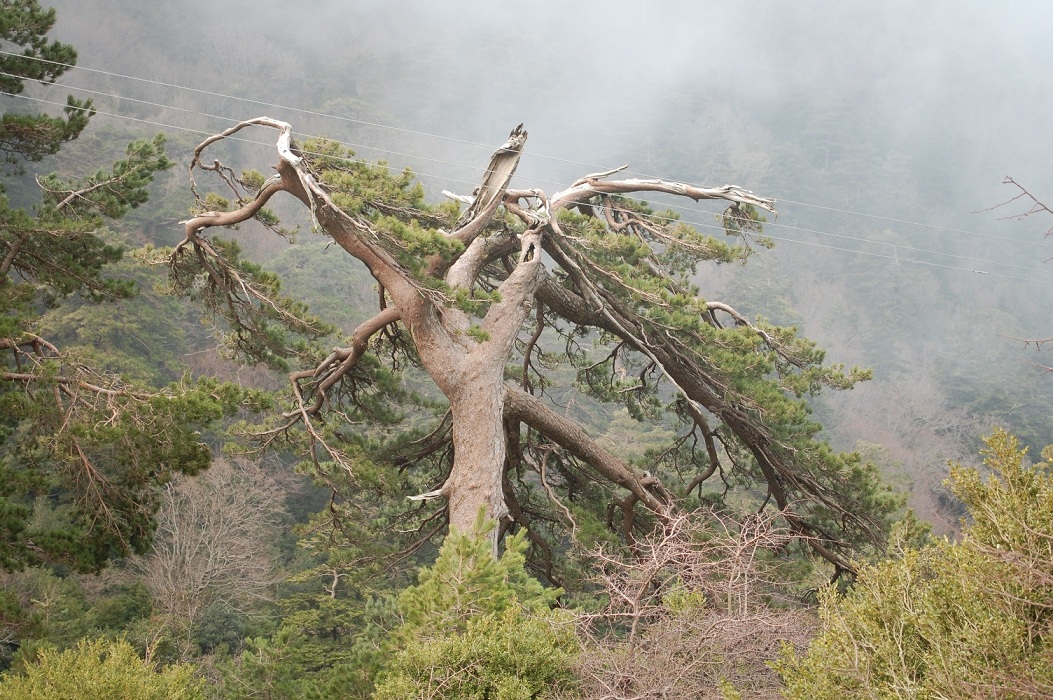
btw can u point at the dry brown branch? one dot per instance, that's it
(1033, 203)
(687, 613)
(341, 361)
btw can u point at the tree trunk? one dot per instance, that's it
(479, 449)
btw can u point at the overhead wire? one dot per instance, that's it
(487, 146)
(891, 219)
(248, 100)
(897, 259)
(431, 135)
(655, 217)
(895, 247)
(231, 120)
(397, 129)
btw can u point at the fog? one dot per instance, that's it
(882, 128)
(692, 90)
(593, 80)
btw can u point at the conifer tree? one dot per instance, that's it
(476, 625)
(494, 300)
(82, 449)
(26, 136)
(967, 619)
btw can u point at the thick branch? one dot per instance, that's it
(505, 318)
(489, 196)
(572, 437)
(342, 360)
(584, 190)
(711, 449)
(490, 193)
(353, 234)
(9, 259)
(705, 391)
(482, 251)
(231, 218)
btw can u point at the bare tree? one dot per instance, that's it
(1033, 204)
(214, 544)
(469, 294)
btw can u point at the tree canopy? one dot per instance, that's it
(24, 25)
(493, 301)
(103, 670)
(968, 619)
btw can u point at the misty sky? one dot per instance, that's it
(881, 128)
(591, 79)
(903, 110)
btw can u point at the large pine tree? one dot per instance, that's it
(491, 302)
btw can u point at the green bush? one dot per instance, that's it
(501, 656)
(966, 619)
(478, 627)
(100, 670)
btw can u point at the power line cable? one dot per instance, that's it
(917, 223)
(124, 116)
(482, 145)
(230, 120)
(908, 248)
(654, 217)
(912, 261)
(895, 258)
(774, 224)
(71, 66)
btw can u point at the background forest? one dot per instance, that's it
(883, 132)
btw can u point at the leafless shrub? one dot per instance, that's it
(692, 614)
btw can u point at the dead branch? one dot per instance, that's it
(686, 612)
(1034, 204)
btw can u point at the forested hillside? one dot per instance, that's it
(322, 378)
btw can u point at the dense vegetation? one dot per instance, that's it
(208, 436)
(960, 619)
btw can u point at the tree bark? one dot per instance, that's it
(478, 401)
(479, 450)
